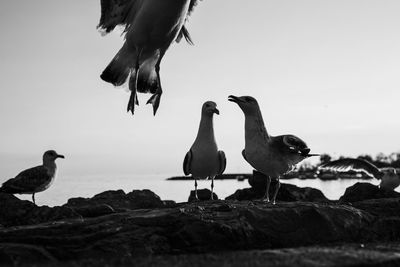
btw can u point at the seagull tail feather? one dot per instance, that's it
(118, 70)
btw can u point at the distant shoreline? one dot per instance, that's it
(326, 176)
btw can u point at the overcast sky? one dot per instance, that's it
(326, 71)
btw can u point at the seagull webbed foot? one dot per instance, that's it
(133, 100)
(155, 101)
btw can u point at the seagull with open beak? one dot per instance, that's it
(270, 155)
(203, 160)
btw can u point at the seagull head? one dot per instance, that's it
(209, 108)
(51, 155)
(296, 147)
(248, 104)
(389, 171)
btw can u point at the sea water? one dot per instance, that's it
(66, 187)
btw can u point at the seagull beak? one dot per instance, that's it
(216, 111)
(305, 152)
(61, 156)
(235, 99)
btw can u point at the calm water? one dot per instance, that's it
(67, 187)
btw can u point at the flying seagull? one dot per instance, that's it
(388, 176)
(204, 160)
(34, 180)
(151, 26)
(270, 155)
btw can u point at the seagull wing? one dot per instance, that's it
(358, 165)
(184, 32)
(117, 12)
(187, 162)
(222, 162)
(27, 181)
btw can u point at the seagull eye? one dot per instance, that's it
(248, 99)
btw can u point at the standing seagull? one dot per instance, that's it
(203, 159)
(271, 155)
(34, 180)
(388, 176)
(150, 26)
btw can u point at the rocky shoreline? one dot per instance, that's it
(114, 228)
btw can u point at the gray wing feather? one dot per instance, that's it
(184, 33)
(27, 181)
(222, 161)
(358, 165)
(187, 162)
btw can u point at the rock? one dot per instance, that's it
(287, 192)
(363, 191)
(119, 201)
(196, 227)
(245, 194)
(202, 194)
(94, 211)
(16, 212)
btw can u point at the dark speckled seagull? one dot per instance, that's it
(388, 176)
(270, 155)
(34, 180)
(204, 160)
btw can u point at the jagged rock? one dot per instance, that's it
(118, 200)
(287, 192)
(202, 194)
(15, 212)
(363, 191)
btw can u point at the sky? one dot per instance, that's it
(326, 71)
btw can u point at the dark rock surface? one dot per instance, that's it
(199, 227)
(202, 194)
(363, 191)
(119, 201)
(371, 255)
(15, 212)
(287, 192)
(118, 229)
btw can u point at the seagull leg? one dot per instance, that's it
(33, 198)
(155, 98)
(212, 187)
(195, 189)
(133, 100)
(278, 185)
(266, 195)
